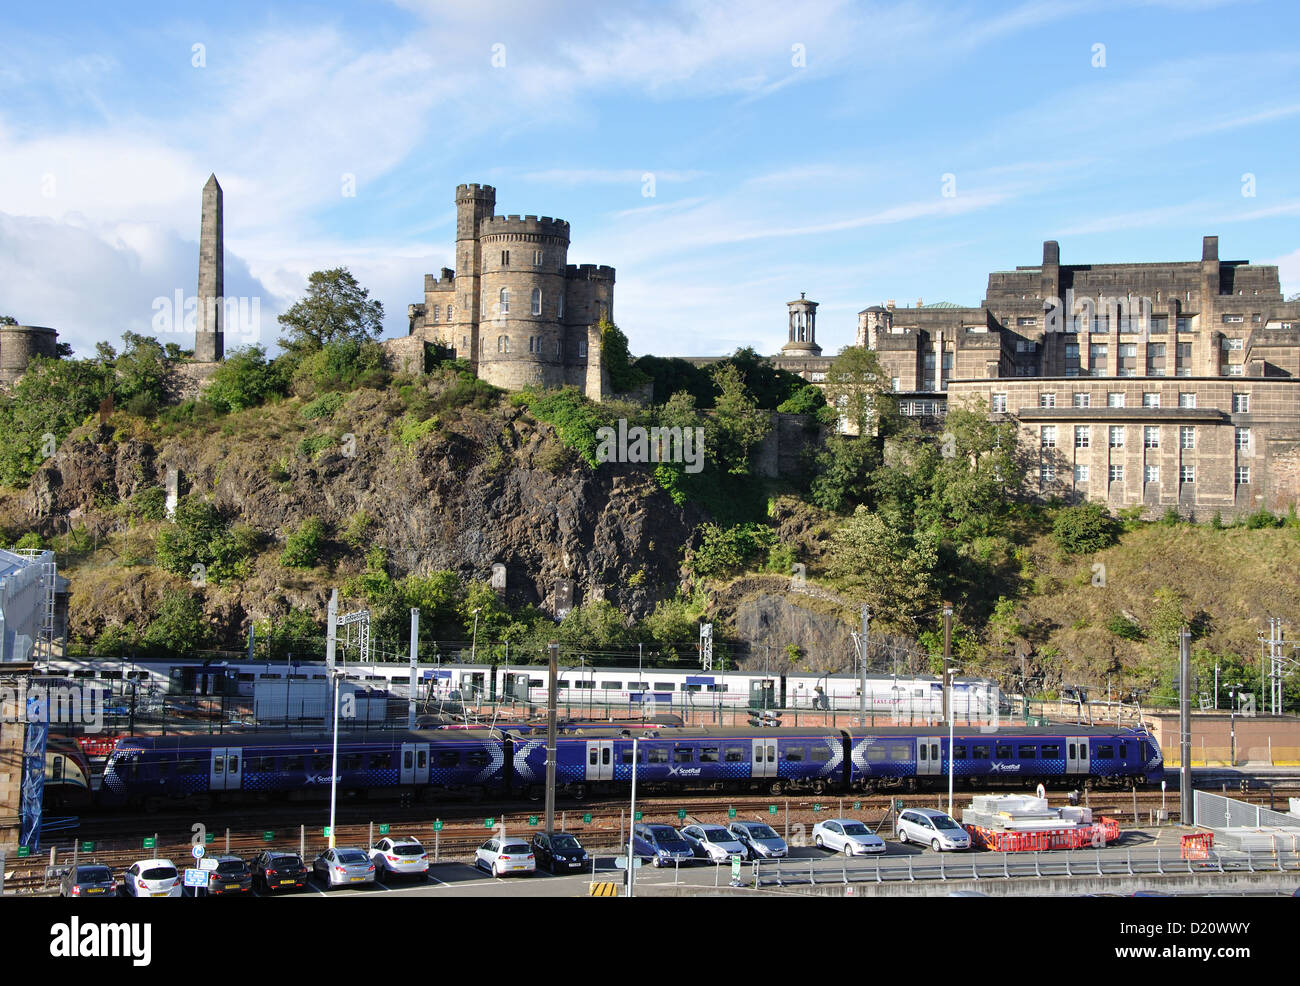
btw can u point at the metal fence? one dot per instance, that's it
(1217, 812)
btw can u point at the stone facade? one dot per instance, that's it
(209, 339)
(1106, 366)
(515, 307)
(18, 344)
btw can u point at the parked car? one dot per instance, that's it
(661, 844)
(928, 827)
(502, 856)
(232, 876)
(714, 843)
(559, 853)
(342, 866)
(152, 878)
(88, 880)
(274, 871)
(760, 840)
(848, 836)
(400, 857)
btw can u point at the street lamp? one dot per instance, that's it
(1233, 692)
(334, 759)
(631, 824)
(951, 716)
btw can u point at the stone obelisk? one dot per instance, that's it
(209, 340)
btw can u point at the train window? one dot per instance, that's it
(592, 759)
(925, 751)
(959, 753)
(900, 751)
(320, 763)
(1028, 752)
(187, 767)
(694, 688)
(1051, 751)
(708, 754)
(83, 674)
(627, 756)
(979, 753)
(1003, 751)
(352, 761)
(1123, 751)
(293, 764)
(218, 765)
(582, 684)
(877, 753)
(421, 759)
(658, 755)
(446, 758)
(536, 683)
(233, 764)
(819, 754)
(636, 686)
(793, 754)
(1106, 752)
(735, 754)
(611, 685)
(1073, 753)
(381, 761)
(245, 676)
(683, 754)
(56, 769)
(476, 758)
(1083, 751)
(605, 756)
(664, 686)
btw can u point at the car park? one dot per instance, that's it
(400, 857)
(661, 844)
(560, 852)
(501, 856)
(760, 839)
(152, 878)
(713, 842)
(928, 827)
(848, 836)
(276, 871)
(88, 880)
(343, 866)
(231, 877)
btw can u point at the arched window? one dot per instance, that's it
(449, 311)
(503, 344)
(505, 301)
(537, 301)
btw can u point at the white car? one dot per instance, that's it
(714, 843)
(152, 878)
(848, 836)
(928, 827)
(502, 856)
(401, 857)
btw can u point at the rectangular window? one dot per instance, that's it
(999, 400)
(1243, 439)
(794, 754)
(1187, 438)
(1105, 752)
(1232, 319)
(1026, 321)
(1002, 751)
(1152, 474)
(1028, 752)
(1151, 436)
(505, 258)
(1243, 475)
(1047, 400)
(537, 258)
(708, 754)
(1117, 436)
(1186, 400)
(1184, 325)
(900, 752)
(612, 685)
(1114, 400)
(736, 754)
(658, 755)
(1047, 436)
(683, 754)
(959, 753)
(1150, 400)
(979, 753)
(1240, 403)
(1083, 400)
(1187, 474)
(1047, 473)
(436, 309)
(1082, 436)
(1051, 751)
(1080, 474)
(664, 686)
(877, 753)
(1117, 474)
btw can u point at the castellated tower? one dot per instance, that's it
(474, 203)
(873, 322)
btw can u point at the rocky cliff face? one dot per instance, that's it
(483, 487)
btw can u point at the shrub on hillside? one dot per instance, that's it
(302, 548)
(245, 379)
(1084, 529)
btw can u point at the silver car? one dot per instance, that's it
(760, 839)
(714, 843)
(847, 835)
(928, 827)
(343, 866)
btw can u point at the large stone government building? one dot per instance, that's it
(514, 307)
(1159, 384)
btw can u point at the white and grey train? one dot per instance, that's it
(595, 688)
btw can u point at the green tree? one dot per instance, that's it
(336, 308)
(8, 320)
(845, 466)
(303, 547)
(737, 423)
(142, 373)
(623, 373)
(1084, 529)
(201, 537)
(178, 627)
(53, 397)
(805, 400)
(857, 387)
(245, 379)
(725, 551)
(889, 565)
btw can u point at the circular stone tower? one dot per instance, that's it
(18, 344)
(803, 328)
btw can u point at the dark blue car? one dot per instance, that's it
(661, 844)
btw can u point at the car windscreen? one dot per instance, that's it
(515, 847)
(406, 849)
(232, 866)
(762, 832)
(944, 822)
(565, 842)
(665, 833)
(159, 873)
(354, 856)
(288, 862)
(717, 834)
(94, 874)
(855, 828)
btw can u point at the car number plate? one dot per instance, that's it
(232, 886)
(357, 879)
(159, 893)
(286, 882)
(95, 890)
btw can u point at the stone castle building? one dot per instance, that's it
(514, 307)
(1155, 384)
(19, 344)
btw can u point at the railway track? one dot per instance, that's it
(118, 840)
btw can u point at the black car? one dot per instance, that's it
(275, 870)
(231, 877)
(88, 880)
(559, 853)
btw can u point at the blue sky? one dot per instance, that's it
(794, 147)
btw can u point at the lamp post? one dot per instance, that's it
(631, 824)
(1233, 692)
(949, 673)
(334, 758)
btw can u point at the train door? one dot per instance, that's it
(600, 760)
(762, 693)
(471, 685)
(763, 763)
(1076, 755)
(518, 688)
(226, 771)
(415, 763)
(928, 759)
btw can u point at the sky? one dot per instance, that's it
(723, 156)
